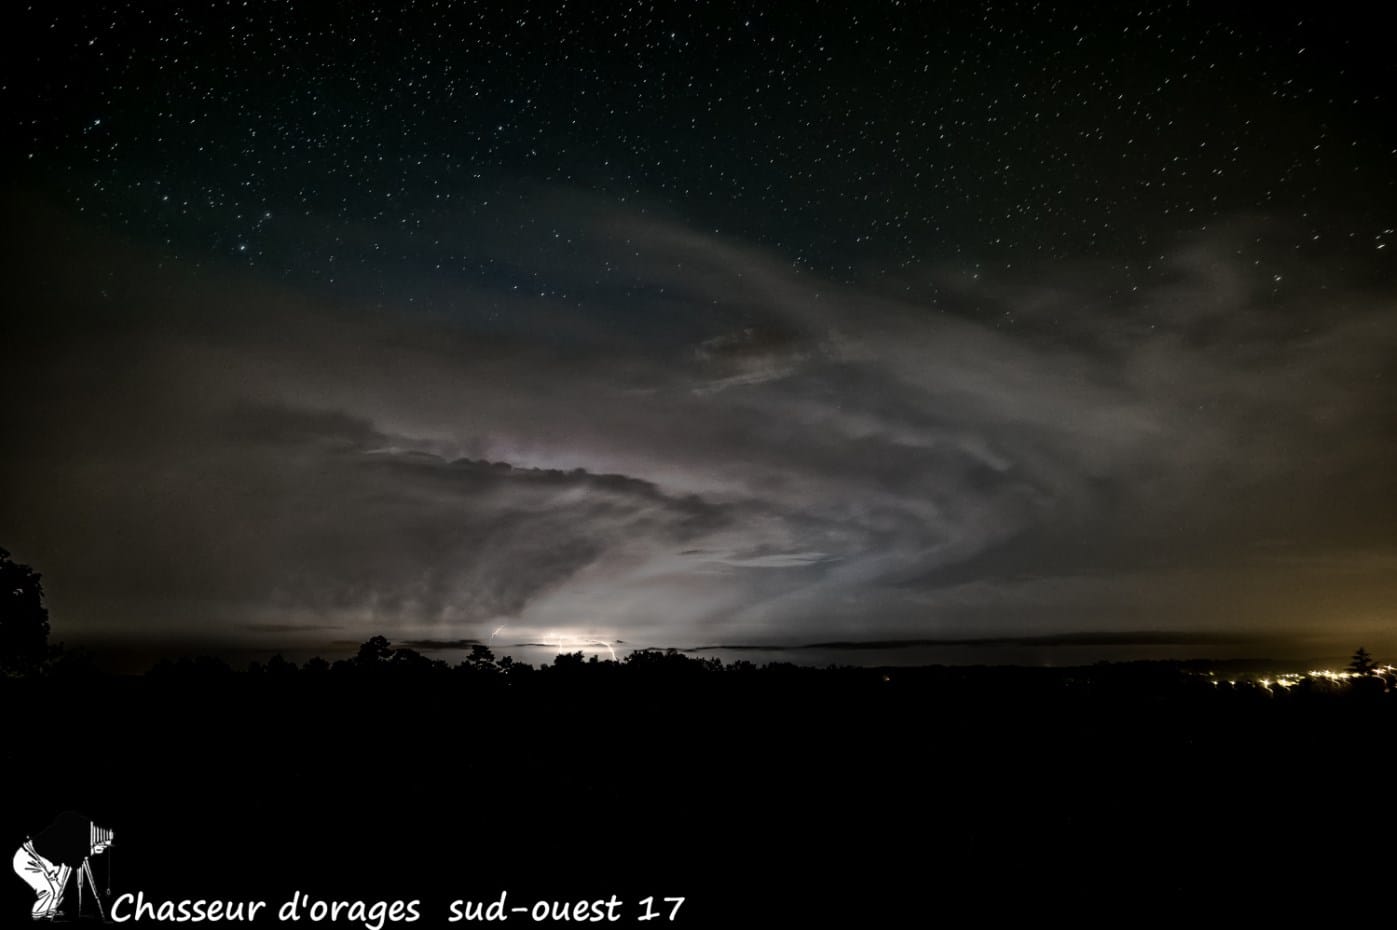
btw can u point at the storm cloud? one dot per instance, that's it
(726, 449)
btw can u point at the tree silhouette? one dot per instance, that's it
(569, 661)
(410, 660)
(374, 650)
(24, 620)
(1362, 663)
(481, 658)
(279, 666)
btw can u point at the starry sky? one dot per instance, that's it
(703, 324)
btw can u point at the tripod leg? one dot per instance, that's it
(92, 883)
(79, 870)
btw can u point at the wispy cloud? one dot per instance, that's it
(727, 451)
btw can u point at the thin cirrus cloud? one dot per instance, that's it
(730, 451)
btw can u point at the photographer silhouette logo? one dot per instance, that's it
(47, 860)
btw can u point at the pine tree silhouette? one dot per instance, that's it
(1362, 663)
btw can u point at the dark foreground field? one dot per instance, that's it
(764, 798)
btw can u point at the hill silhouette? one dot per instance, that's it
(777, 792)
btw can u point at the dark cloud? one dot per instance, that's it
(440, 644)
(1141, 638)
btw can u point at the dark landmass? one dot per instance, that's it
(766, 796)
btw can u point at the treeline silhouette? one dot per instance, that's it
(778, 792)
(773, 795)
(1186, 683)
(377, 659)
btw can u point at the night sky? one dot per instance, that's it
(702, 324)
